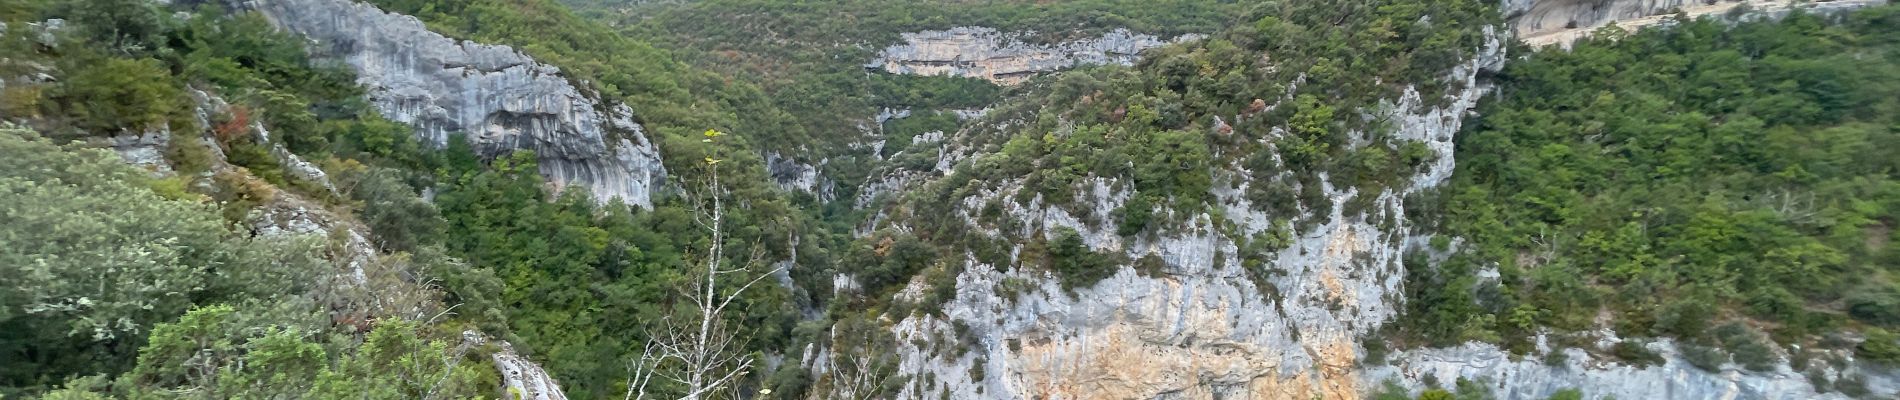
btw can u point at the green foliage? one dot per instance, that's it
(1567, 394)
(1075, 263)
(1880, 346)
(889, 260)
(1746, 346)
(401, 219)
(1467, 389)
(126, 26)
(104, 95)
(397, 361)
(1679, 176)
(1390, 390)
(808, 63)
(92, 258)
(104, 252)
(1436, 394)
(80, 222)
(218, 352)
(578, 282)
(1164, 126)
(1636, 353)
(1704, 357)
(1133, 217)
(1875, 304)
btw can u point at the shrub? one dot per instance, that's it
(1567, 394)
(1556, 358)
(1878, 305)
(1881, 346)
(107, 95)
(1704, 357)
(1134, 216)
(1075, 263)
(1636, 353)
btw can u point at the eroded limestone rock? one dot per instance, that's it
(1004, 58)
(1560, 22)
(501, 99)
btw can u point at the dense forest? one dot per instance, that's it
(1705, 182)
(1729, 186)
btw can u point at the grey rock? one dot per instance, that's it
(794, 176)
(981, 52)
(1560, 22)
(146, 150)
(1202, 327)
(520, 378)
(501, 99)
(1532, 378)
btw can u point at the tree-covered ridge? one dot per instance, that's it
(1671, 181)
(807, 57)
(1280, 103)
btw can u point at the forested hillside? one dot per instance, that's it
(1706, 182)
(1299, 199)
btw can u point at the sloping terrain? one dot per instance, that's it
(1172, 199)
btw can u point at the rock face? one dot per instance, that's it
(523, 379)
(985, 53)
(1200, 327)
(1532, 378)
(501, 99)
(794, 176)
(1560, 22)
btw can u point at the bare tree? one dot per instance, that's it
(860, 362)
(698, 350)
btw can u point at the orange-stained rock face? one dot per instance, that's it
(1137, 358)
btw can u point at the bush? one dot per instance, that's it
(1881, 346)
(104, 96)
(1376, 350)
(1436, 394)
(1134, 216)
(1877, 304)
(1567, 394)
(1636, 353)
(1704, 357)
(1556, 358)
(1746, 347)
(1075, 263)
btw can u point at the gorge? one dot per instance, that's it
(1252, 210)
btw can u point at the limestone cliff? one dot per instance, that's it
(1004, 58)
(1536, 377)
(1200, 327)
(501, 99)
(1559, 22)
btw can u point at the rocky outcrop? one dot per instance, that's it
(1199, 326)
(501, 99)
(1560, 22)
(520, 378)
(1534, 377)
(794, 176)
(1195, 324)
(1004, 58)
